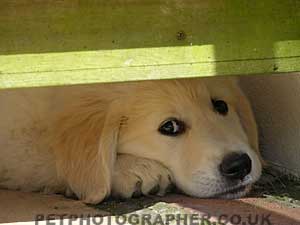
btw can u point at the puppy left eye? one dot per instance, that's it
(172, 127)
(220, 106)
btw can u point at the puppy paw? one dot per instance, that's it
(135, 176)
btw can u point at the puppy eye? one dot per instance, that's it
(172, 127)
(220, 106)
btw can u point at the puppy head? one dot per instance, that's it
(203, 130)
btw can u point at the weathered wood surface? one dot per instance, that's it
(61, 42)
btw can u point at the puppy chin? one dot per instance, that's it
(227, 193)
(220, 188)
(236, 192)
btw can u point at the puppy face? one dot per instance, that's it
(198, 129)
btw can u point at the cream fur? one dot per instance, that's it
(97, 140)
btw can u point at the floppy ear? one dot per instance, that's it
(85, 148)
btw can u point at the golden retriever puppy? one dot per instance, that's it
(130, 139)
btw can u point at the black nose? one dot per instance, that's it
(235, 165)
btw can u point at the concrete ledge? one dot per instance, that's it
(24, 208)
(21, 207)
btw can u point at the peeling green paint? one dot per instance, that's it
(56, 42)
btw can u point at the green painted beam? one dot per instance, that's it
(61, 42)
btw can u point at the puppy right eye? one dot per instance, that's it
(172, 127)
(220, 106)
